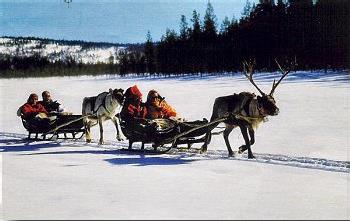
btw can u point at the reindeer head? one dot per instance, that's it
(118, 94)
(267, 106)
(266, 102)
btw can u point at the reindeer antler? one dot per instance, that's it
(248, 67)
(284, 74)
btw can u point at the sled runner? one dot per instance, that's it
(61, 127)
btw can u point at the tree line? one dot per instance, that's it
(314, 34)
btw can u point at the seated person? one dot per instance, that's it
(133, 107)
(34, 113)
(157, 107)
(53, 107)
(133, 111)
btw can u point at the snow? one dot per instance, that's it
(301, 171)
(55, 52)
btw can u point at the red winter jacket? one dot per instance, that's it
(30, 110)
(133, 107)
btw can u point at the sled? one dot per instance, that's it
(61, 127)
(166, 134)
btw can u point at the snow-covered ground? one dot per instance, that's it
(55, 51)
(302, 170)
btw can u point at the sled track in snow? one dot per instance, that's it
(285, 160)
(275, 159)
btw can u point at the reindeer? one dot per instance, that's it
(244, 110)
(100, 108)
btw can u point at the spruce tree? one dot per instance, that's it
(196, 27)
(184, 30)
(149, 54)
(210, 21)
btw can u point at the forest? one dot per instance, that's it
(316, 35)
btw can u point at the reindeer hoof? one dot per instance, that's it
(88, 140)
(101, 142)
(120, 138)
(203, 150)
(241, 149)
(231, 154)
(251, 157)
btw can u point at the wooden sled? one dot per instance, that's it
(63, 127)
(166, 134)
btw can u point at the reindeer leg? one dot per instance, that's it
(101, 130)
(244, 131)
(243, 148)
(207, 140)
(116, 123)
(227, 132)
(130, 144)
(252, 136)
(88, 132)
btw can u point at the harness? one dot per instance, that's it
(103, 104)
(246, 106)
(248, 115)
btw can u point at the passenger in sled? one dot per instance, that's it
(55, 109)
(133, 114)
(165, 115)
(157, 107)
(34, 114)
(42, 115)
(154, 121)
(51, 106)
(146, 121)
(159, 111)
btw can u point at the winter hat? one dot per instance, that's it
(134, 90)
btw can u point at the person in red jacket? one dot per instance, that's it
(133, 107)
(34, 113)
(133, 113)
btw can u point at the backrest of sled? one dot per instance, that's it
(165, 129)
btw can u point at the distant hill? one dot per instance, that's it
(54, 50)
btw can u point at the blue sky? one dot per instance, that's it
(118, 21)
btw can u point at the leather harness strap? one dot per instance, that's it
(103, 104)
(246, 106)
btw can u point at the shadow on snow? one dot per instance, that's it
(143, 160)
(11, 142)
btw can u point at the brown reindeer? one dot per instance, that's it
(244, 110)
